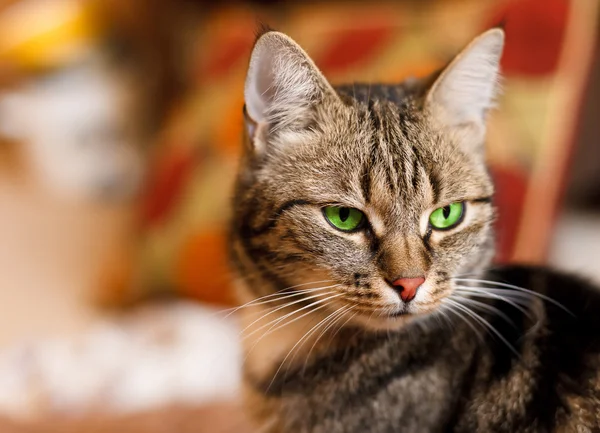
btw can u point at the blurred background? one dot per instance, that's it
(120, 126)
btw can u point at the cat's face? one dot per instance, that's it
(367, 205)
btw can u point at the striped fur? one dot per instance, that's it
(330, 346)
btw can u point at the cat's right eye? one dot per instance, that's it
(346, 219)
(447, 217)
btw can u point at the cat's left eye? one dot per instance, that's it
(346, 219)
(447, 217)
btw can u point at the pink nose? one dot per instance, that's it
(408, 287)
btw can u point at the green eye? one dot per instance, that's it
(447, 217)
(345, 219)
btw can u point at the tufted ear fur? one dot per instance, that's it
(465, 90)
(283, 86)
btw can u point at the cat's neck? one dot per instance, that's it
(280, 344)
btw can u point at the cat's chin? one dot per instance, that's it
(379, 321)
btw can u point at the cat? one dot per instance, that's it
(362, 241)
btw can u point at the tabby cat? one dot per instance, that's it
(362, 241)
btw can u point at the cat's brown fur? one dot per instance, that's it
(330, 346)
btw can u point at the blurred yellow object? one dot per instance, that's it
(42, 34)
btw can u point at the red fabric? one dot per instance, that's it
(353, 46)
(226, 54)
(164, 188)
(511, 188)
(534, 35)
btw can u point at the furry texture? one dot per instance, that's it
(330, 345)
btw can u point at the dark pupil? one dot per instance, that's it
(344, 214)
(446, 212)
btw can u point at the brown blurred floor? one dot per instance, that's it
(217, 418)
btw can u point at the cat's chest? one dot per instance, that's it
(387, 389)
(373, 402)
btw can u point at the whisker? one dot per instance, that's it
(322, 323)
(475, 274)
(281, 307)
(516, 295)
(278, 298)
(339, 328)
(339, 313)
(370, 317)
(463, 318)
(484, 293)
(487, 307)
(272, 295)
(274, 323)
(521, 289)
(440, 312)
(278, 320)
(484, 322)
(304, 337)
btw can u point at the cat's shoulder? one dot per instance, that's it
(571, 301)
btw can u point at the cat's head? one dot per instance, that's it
(369, 199)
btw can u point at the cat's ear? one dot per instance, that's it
(283, 86)
(465, 91)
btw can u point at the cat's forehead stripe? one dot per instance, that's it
(392, 170)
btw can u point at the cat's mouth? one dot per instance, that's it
(385, 307)
(402, 311)
(397, 315)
